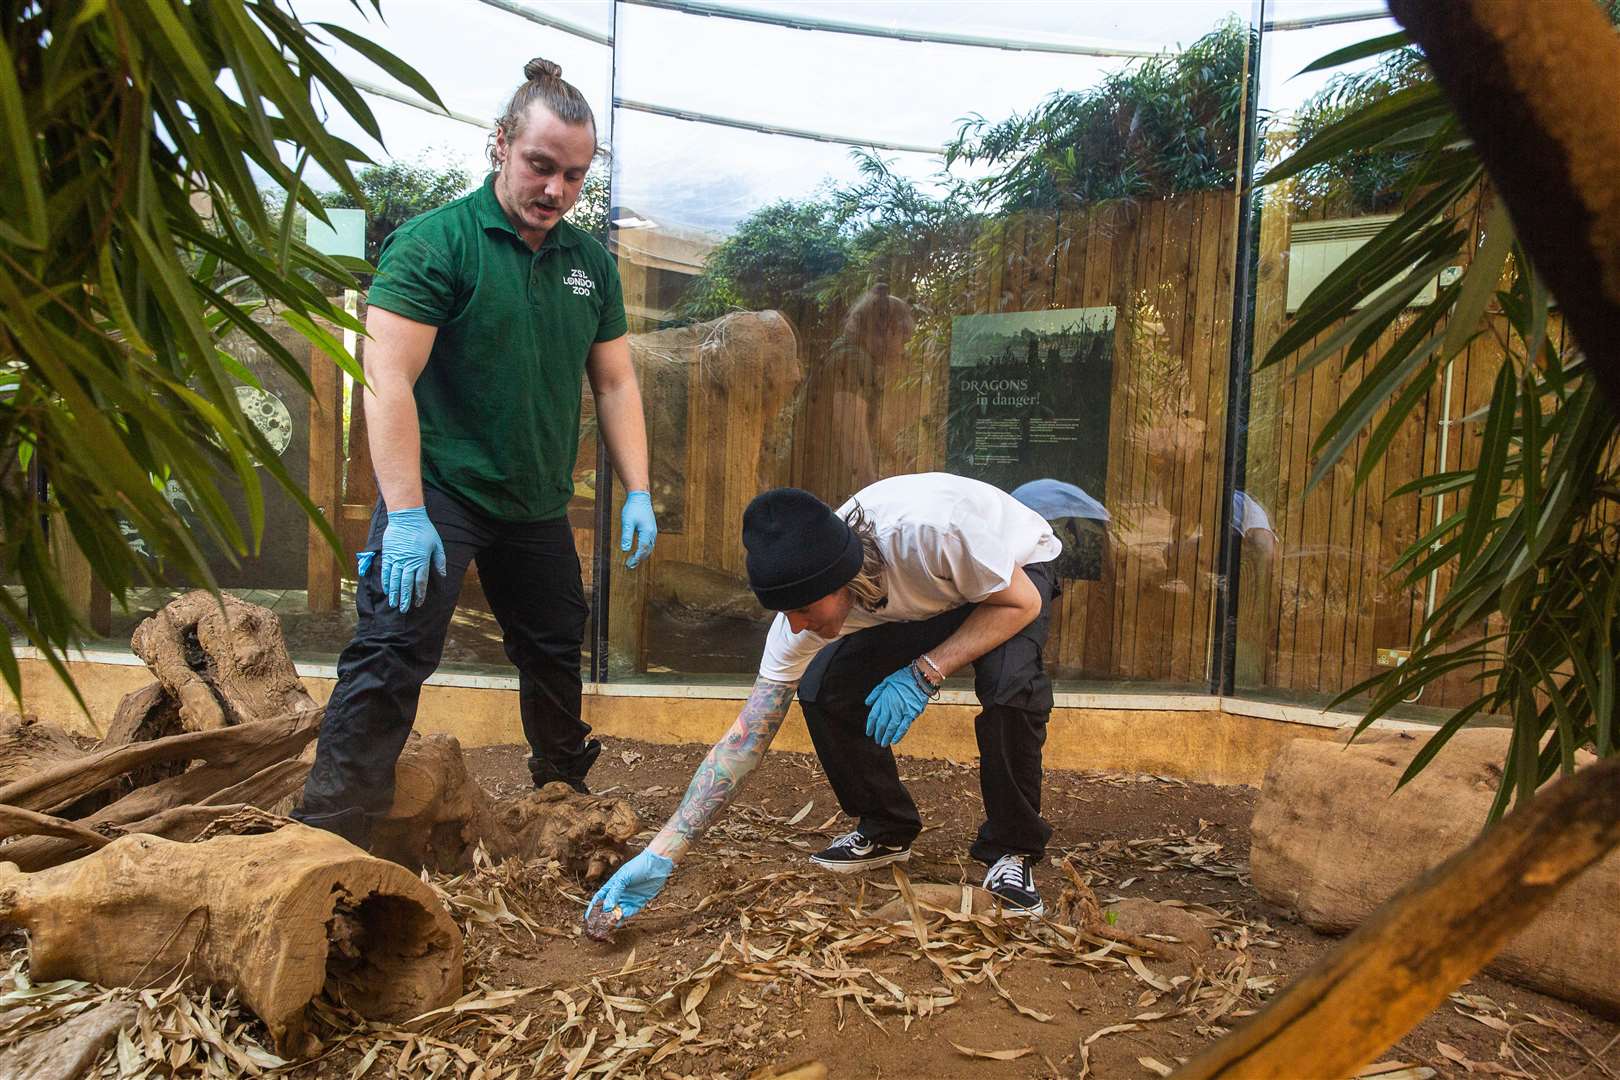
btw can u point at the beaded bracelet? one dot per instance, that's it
(929, 660)
(931, 689)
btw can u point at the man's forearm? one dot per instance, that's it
(623, 425)
(992, 623)
(718, 779)
(396, 442)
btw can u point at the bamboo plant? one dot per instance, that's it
(1532, 547)
(132, 239)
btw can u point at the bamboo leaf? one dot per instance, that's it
(1359, 51)
(23, 193)
(1369, 126)
(1479, 283)
(384, 59)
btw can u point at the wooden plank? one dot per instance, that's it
(1368, 570)
(86, 597)
(325, 572)
(1143, 564)
(1212, 496)
(1257, 602)
(1340, 548)
(1065, 651)
(1208, 352)
(1319, 505)
(1169, 473)
(1296, 470)
(1110, 251)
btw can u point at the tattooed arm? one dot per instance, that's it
(717, 780)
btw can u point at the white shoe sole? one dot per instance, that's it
(847, 866)
(1008, 911)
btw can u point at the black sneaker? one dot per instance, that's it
(1012, 882)
(544, 772)
(852, 852)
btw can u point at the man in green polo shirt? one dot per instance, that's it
(485, 316)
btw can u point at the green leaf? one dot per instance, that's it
(1485, 494)
(1377, 122)
(384, 59)
(1479, 283)
(23, 193)
(1359, 51)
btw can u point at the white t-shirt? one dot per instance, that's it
(946, 541)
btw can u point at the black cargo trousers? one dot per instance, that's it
(530, 575)
(1015, 699)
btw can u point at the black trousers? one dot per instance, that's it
(1015, 697)
(530, 574)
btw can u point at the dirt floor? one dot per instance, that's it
(752, 960)
(766, 962)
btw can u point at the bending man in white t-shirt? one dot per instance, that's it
(912, 579)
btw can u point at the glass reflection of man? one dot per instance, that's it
(485, 316)
(1079, 520)
(841, 396)
(1252, 525)
(911, 580)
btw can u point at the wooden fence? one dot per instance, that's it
(1314, 607)
(1313, 619)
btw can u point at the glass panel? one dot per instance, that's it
(1317, 608)
(474, 61)
(822, 294)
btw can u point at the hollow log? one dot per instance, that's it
(221, 659)
(278, 917)
(440, 814)
(142, 716)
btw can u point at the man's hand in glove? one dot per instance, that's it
(632, 886)
(636, 521)
(895, 703)
(410, 544)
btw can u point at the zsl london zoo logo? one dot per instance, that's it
(577, 281)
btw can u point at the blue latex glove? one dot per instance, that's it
(632, 885)
(895, 703)
(410, 543)
(636, 520)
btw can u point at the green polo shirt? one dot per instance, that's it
(498, 402)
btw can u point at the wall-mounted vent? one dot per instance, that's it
(1316, 248)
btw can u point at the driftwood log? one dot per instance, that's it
(186, 870)
(441, 814)
(224, 748)
(221, 660)
(278, 916)
(68, 1050)
(27, 745)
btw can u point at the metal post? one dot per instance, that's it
(601, 550)
(1229, 558)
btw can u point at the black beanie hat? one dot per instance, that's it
(798, 549)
